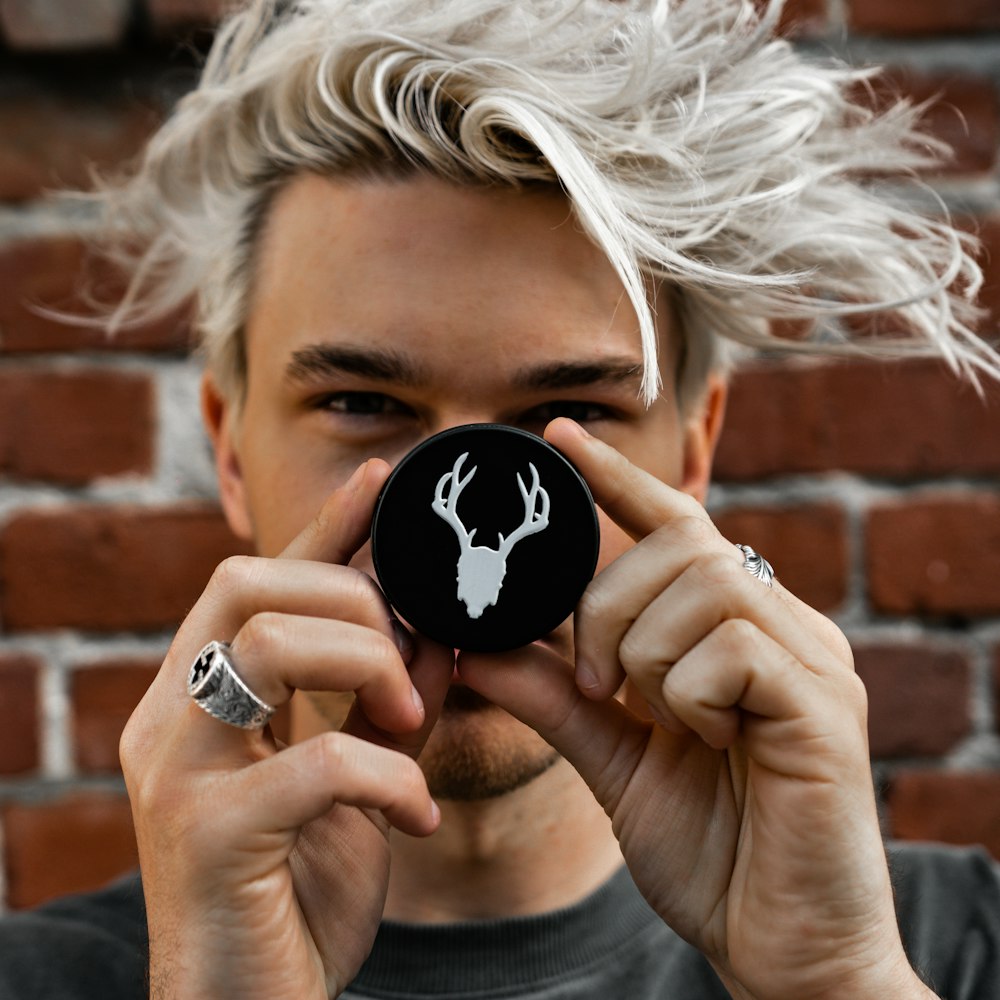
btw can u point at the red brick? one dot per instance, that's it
(49, 141)
(988, 230)
(169, 14)
(109, 568)
(935, 556)
(103, 698)
(73, 427)
(996, 689)
(922, 17)
(63, 24)
(918, 698)
(104, 695)
(49, 272)
(75, 844)
(806, 545)
(19, 698)
(801, 18)
(964, 113)
(951, 807)
(905, 420)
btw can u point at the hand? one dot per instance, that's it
(265, 868)
(745, 811)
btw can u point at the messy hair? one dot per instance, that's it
(698, 150)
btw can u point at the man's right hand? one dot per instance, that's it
(265, 867)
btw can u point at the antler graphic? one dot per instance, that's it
(534, 520)
(480, 569)
(447, 507)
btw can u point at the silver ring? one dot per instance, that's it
(757, 565)
(216, 688)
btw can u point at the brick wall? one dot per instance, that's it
(873, 490)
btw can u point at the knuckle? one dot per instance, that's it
(234, 573)
(633, 651)
(838, 643)
(380, 653)
(695, 528)
(409, 779)
(150, 792)
(738, 635)
(595, 603)
(265, 630)
(720, 569)
(330, 752)
(364, 591)
(128, 754)
(855, 694)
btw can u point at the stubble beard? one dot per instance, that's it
(477, 751)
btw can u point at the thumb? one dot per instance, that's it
(536, 686)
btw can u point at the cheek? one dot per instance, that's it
(284, 498)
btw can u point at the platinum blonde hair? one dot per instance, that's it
(699, 151)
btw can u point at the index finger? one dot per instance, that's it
(634, 499)
(343, 524)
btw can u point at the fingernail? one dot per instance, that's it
(404, 641)
(586, 679)
(418, 702)
(435, 812)
(353, 484)
(579, 429)
(658, 717)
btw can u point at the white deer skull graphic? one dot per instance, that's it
(481, 569)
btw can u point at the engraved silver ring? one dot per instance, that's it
(757, 565)
(218, 689)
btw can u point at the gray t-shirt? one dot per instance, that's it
(92, 947)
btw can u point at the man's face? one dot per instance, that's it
(386, 311)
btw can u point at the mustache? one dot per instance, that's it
(461, 699)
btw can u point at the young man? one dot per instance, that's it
(400, 217)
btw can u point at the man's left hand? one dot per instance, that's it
(735, 769)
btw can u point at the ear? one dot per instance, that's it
(702, 428)
(219, 416)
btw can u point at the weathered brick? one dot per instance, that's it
(807, 545)
(170, 14)
(804, 18)
(50, 140)
(954, 808)
(73, 427)
(19, 678)
(922, 17)
(996, 689)
(74, 844)
(936, 555)
(109, 568)
(964, 113)
(63, 24)
(49, 272)
(988, 230)
(918, 698)
(801, 18)
(906, 420)
(103, 696)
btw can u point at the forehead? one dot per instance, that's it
(423, 263)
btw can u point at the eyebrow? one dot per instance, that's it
(577, 374)
(382, 365)
(367, 362)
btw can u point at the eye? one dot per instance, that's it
(575, 409)
(362, 404)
